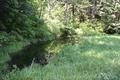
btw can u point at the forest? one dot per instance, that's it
(59, 39)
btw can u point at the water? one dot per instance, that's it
(34, 52)
(39, 52)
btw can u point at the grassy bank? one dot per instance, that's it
(10, 48)
(94, 58)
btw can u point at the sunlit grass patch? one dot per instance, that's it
(95, 58)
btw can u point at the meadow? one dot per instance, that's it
(92, 58)
(59, 40)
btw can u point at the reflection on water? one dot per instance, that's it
(33, 52)
(39, 52)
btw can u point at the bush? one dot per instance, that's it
(67, 32)
(112, 28)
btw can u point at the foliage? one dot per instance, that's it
(94, 57)
(19, 20)
(89, 28)
(110, 16)
(67, 32)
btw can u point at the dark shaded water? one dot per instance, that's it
(38, 52)
(35, 52)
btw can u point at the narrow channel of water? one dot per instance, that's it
(39, 52)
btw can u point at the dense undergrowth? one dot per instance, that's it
(19, 21)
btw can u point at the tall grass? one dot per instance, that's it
(94, 58)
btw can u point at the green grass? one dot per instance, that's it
(94, 58)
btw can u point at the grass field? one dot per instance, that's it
(93, 58)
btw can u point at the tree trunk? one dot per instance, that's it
(49, 8)
(65, 12)
(73, 12)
